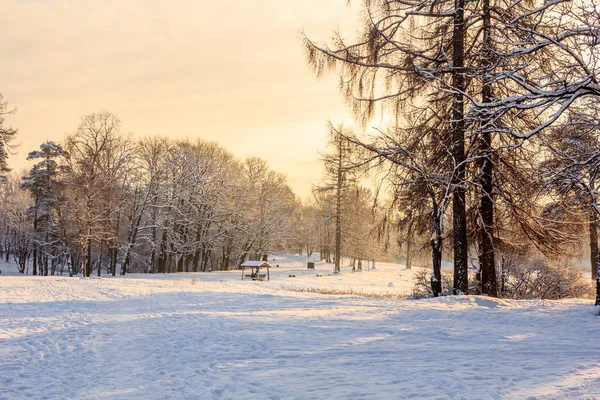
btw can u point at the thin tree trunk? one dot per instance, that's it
(593, 223)
(89, 259)
(162, 255)
(34, 244)
(597, 289)
(34, 259)
(436, 260)
(100, 261)
(338, 209)
(409, 246)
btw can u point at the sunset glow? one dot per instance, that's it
(227, 71)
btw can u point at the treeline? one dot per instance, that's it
(104, 202)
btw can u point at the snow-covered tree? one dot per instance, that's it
(15, 221)
(99, 166)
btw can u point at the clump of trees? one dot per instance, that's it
(476, 92)
(102, 201)
(345, 214)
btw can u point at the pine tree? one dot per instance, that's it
(45, 184)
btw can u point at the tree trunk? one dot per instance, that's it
(162, 256)
(113, 259)
(153, 261)
(409, 246)
(458, 153)
(74, 264)
(34, 259)
(34, 244)
(196, 259)
(206, 254)
(338, 214)
(100, 261)
(487, 264)
(597, 289)
(436, 260)
(594, 244)
(84, 272)
(88, 267)
(180, 263)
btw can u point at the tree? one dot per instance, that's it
(6, 136)
(99, 158)
(45, 184)
(15, 221)
(340, 178)
(572, 166)
(420, 174)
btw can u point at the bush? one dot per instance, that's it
(422, 286)
(536, 277)
(520, 277)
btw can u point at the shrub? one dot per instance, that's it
(536, 277)
(422, 286)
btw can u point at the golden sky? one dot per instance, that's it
(229, 71)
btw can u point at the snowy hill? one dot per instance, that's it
(213, 336)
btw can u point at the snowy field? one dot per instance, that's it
(213, 336)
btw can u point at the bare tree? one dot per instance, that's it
(98, 162)
(572, 167)
(339, 180)
(6, 136)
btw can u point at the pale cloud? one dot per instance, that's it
(230, 71)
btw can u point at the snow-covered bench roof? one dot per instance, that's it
(255, 264)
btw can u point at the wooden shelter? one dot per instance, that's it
(255, 270)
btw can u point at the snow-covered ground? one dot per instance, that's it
(213, 336)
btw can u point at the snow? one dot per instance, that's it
(213, 336)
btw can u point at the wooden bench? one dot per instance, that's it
(259, 277)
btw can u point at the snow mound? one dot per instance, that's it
(490, 302)
(462, 302)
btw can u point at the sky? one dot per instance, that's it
(228, 71)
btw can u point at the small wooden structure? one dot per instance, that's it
(255, 270)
